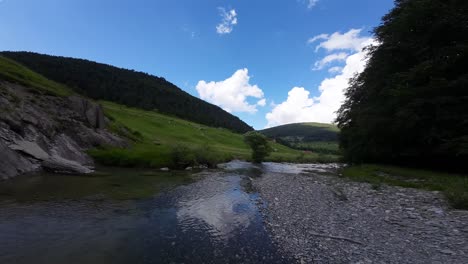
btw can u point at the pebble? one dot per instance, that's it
(394, 225)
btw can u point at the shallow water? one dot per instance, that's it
(130, 216)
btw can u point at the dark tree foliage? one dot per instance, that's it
(410, 105)
(259, 144)
(128, 87)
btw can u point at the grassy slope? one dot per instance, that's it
(156, 136)
(16, 73)
(302, 129)
(127, 87)
(160, 136)
(316, 137)
(454, 186)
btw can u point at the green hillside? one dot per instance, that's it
(13, 72)
(162, 140)
(315, 137)
(157, 140)
(128, 87)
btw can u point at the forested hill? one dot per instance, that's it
(128, 87)
(316, 137)
(306, 131)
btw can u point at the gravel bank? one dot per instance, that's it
(320, 218)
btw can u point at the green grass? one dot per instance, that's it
(454, 186)
(315, 137)
(159, 140)
(324, 147)
(164, 141)
(16, 73)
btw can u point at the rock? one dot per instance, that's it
(164, 169)
(91, 111)
(67, 148)
(394, 225)
(30, 148)
(58, 164)
(188, 168)
(447, 252)
(51, 132)
(12, 163)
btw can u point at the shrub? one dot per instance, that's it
(259, 145)
(205, 155)
(182, 156)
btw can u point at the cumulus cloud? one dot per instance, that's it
(350, 40)
(300, 106)
(232, 93)
(229, 20)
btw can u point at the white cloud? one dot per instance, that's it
(301, 107)
(229, 20)
(261, 102)
(337, 41)
(335, 69)
(319, 65)
(312, 3)
(318, 37)
(232, 93)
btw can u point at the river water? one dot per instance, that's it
(135, 216)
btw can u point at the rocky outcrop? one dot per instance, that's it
(12, 163)
(46, 132)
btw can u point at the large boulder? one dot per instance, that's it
(30, 148)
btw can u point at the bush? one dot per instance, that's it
(182, 156)
(205, 155)
(259, 145)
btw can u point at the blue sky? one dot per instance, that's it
(268, 62)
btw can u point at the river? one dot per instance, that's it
(136, 216)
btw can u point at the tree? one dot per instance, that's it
(410, 103)
(259, 145)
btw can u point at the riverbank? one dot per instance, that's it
(319, 217)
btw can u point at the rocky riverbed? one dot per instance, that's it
(318, 217)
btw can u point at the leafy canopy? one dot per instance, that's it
(410, 104)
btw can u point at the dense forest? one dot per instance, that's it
(128, 87)
(410, 104)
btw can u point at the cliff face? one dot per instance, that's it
(42, 132)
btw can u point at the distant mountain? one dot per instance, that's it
(128, 87)
(316, 137)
